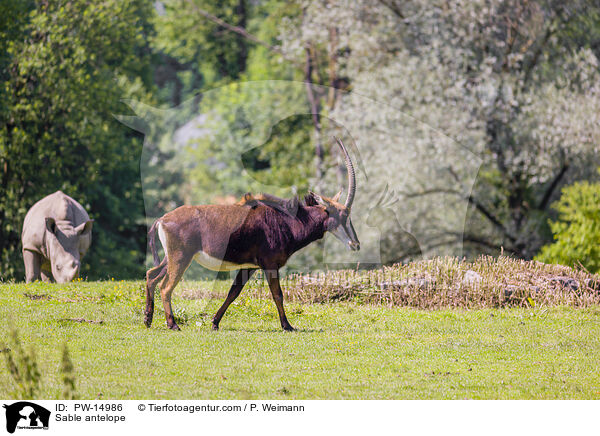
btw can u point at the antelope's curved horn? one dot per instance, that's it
(351, 175)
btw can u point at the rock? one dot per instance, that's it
(571, 284)
(414, 282)
(471, 277)
(592, 284)
(567, 282)
(509, 291)
(420, 282)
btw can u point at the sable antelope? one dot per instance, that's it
(258, 232)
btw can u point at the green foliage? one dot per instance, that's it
(515, 83)
(68, 65)
(68, 375)
(197, 52)
(523, 98)
(202, 56)
(577, 229)
(265, 22)
(23, 368)
(286, 159)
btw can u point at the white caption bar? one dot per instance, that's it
(249, 417)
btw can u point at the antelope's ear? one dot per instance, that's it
(318, 199)
(337, 196)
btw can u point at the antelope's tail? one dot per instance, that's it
(152, 242)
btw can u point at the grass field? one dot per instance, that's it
(341, 350)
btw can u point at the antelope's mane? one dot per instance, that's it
(287, 205)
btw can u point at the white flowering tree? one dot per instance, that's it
(515, 83)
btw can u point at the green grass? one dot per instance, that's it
(341, 350)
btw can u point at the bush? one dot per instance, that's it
(25, 372)
(577, 229)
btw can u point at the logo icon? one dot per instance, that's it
(26, 415)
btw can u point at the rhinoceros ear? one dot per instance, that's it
(50, 225)
(85, 228)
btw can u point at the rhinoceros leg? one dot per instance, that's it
(47, 276)
(33, 262)
(46, 271)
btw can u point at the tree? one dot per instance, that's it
(577, 230)
(200, 38)
(197, 53)
(67, 66)
(514, 84)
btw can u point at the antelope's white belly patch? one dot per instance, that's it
(215, 264)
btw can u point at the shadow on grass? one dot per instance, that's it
(267, 330)
(207, 329)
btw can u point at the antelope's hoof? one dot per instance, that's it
(215, 326)
(174, 327)
(289, 328)
(148, 320)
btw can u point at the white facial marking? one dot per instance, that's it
(215, 264)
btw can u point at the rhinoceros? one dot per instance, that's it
(57, 232)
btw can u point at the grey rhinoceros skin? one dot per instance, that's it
(57, 232)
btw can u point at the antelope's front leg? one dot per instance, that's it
(273, 279)
(241, 278)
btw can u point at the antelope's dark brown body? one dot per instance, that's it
(261, 236)
(258, 232)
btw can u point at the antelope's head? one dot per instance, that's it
(339, 222)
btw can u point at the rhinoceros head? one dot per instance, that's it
(65, 245)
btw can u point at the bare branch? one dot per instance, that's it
(473, 239)
(483, 210)
(472, 200)
(431, 191)
(394, 7)
(548, 194)
(333, 37)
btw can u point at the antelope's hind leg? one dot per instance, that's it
(176, 266)
(240, 280)
(153, 276)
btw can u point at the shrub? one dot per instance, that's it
(24, 370)
(577, 229)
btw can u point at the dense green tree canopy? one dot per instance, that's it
(65, 69)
